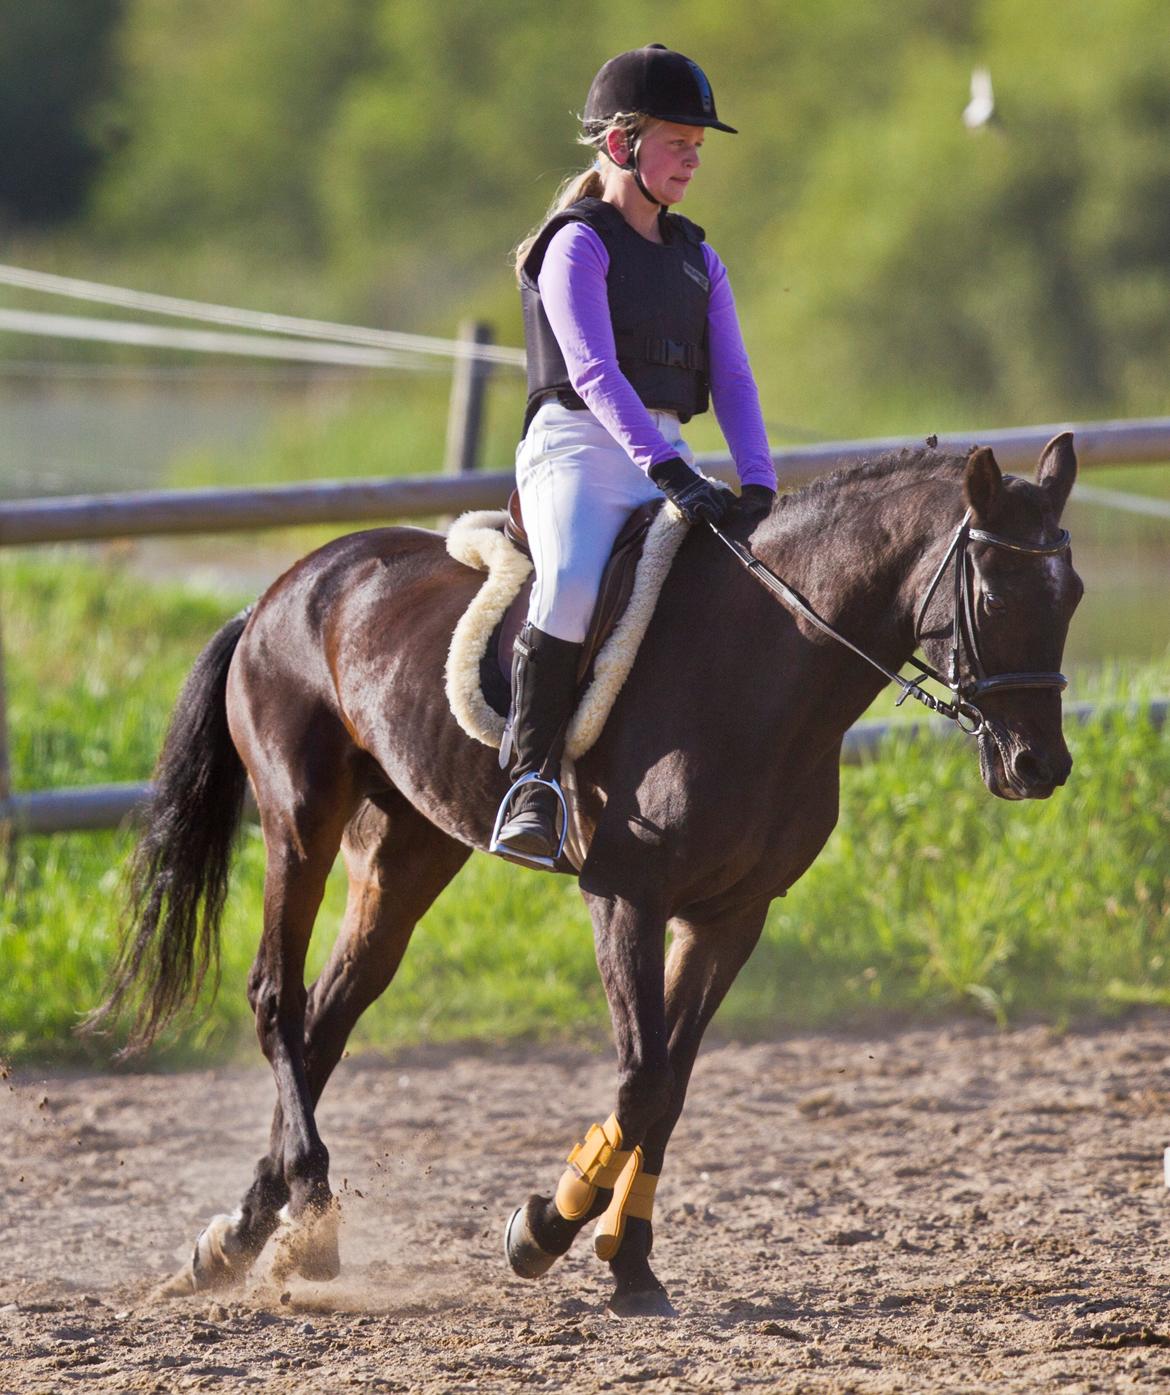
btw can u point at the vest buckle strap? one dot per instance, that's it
(670, 353)
(674, 354)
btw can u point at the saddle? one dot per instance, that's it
(617, 585)
(479, 661)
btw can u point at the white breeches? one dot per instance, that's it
(577, 487)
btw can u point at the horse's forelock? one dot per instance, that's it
(1030, 513)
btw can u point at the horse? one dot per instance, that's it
(712, 788)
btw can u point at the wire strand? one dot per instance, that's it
(75, 289)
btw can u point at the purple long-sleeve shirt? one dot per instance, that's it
(573, 293)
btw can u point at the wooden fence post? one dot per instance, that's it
(465, 418)
(6, 827)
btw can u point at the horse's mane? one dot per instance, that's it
(914, 465)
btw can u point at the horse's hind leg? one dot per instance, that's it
(397, 864)
(299, 859)
(301, 838)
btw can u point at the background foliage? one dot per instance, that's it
(377, 159)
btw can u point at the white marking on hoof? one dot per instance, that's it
(212, 1264)
(216, 1261)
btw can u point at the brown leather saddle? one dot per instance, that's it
(617, 583)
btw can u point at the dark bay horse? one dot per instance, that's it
(712, 788)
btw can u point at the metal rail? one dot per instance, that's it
(1142, 441)
(92, 517)
(89, 517)
(96, 807)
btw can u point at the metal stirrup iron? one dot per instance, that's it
(530, 859)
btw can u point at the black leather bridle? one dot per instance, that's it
(964, 636)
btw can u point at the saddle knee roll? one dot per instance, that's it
(597, 1161)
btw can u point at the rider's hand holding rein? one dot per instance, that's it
(695, 497)
(631, 329)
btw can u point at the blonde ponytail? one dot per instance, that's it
(586, 184)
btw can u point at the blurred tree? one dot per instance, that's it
(55, 69)
(894, 270)
(225, 106)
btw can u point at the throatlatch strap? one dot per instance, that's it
(633, 1195)
(594, 1162)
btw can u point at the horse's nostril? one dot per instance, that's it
(1028, 769)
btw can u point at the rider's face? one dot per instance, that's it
(668, 156)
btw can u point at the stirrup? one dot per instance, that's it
(530, 859)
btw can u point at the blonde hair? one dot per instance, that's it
(588, 183)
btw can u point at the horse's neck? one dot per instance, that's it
(859, 563)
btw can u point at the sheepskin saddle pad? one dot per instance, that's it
(479, 659)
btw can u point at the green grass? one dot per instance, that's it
(931, 898)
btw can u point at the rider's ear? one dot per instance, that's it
(982, 483)
(1058, 469)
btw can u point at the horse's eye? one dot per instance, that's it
(993, 602)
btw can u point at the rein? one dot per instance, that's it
(963, 711)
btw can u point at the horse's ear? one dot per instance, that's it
(982, 484)
(1058, 469)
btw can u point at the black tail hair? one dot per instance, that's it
(178, 875)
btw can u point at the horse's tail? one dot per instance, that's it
(178, 875)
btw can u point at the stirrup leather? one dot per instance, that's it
(532, 859)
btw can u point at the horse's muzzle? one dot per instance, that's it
(1016, 768)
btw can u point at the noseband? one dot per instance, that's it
(964, 637)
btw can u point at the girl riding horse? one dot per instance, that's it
(630, 326)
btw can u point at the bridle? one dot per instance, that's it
(963, 632)
(963, 710)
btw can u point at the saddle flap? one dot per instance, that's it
(514, 529)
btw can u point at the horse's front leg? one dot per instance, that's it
(706, 955)
(629, 940)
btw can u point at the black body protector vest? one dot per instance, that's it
(658, 298)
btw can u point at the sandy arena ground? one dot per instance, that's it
(934, 1210)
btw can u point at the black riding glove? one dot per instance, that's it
(695, 498)
(755, 502)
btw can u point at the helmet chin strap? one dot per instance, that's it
(631, 167)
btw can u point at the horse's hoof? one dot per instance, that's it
(307, 1245)
(651, 1302)
(217, 1260)
(527, 1258)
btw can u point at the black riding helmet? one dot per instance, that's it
(654, 81)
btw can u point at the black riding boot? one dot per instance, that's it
(544, 685)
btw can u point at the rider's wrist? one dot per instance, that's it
(672, 473)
